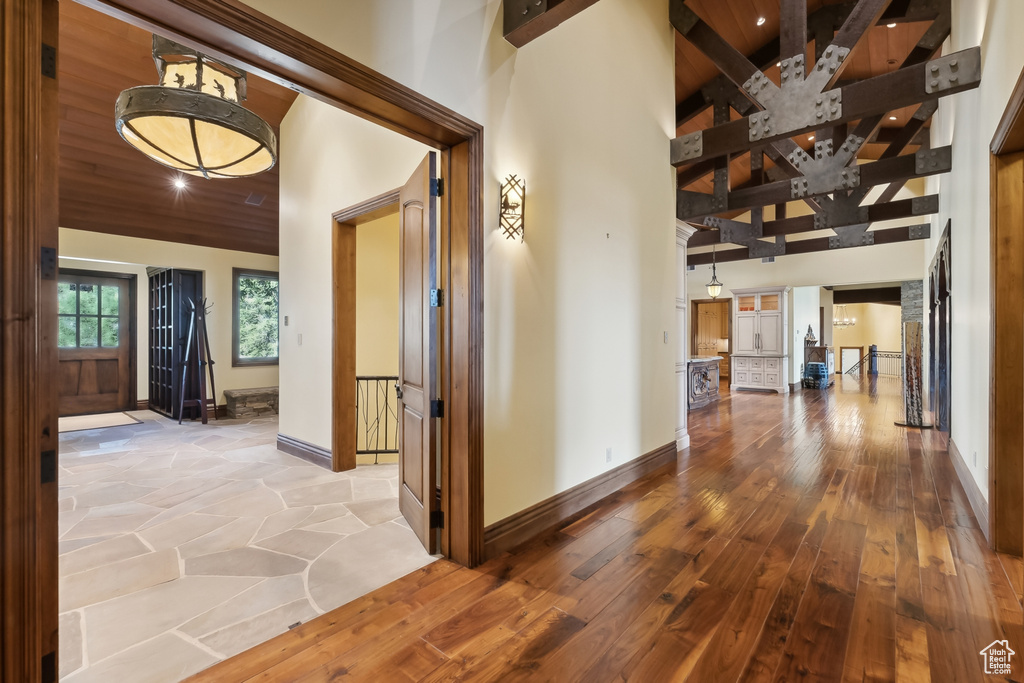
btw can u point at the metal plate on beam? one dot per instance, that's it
(690, 146)
(825, 179)
(852, 236)
(929, 161)
(831, 59)
(924, 206)
(920, 232)
(519, 12)
(946, 73)
(761, 249)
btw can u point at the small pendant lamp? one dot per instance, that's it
(714, 287)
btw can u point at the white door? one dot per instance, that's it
(770, 342)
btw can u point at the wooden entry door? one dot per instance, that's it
(417, 366)
(95, 342)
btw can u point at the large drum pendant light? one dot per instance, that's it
(192, 121)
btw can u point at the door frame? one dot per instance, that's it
(343, 338)
(860, 357)
(1005, 527)
(133, 333)
(28, 242)
(694, 316)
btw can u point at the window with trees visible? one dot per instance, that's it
(88, 315)
(255, 318)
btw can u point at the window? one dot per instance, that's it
(255, 318)
(88, 315)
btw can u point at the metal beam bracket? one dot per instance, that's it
(520, 12)
(946, 73)
(762, 249)
(831, 59)
(852, 236)
(682, 17)
(920, 232)
(691, 146)
(929, 161)
(841, 211)
(925, 206)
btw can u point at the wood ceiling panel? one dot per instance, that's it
(108, 186)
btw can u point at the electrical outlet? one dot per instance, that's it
(608, 455)
(286, 321)
(300, 339)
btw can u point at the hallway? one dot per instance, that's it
(816, 542)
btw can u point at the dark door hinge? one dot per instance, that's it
(437, 187)
(436, 298)
(48, 263)
(437, 519)
(49, 61)
(437, 408)
(48, 467)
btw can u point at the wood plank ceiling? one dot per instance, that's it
(882, 50)
(107, 186)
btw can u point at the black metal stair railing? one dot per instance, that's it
(879, 363)
(376, 415)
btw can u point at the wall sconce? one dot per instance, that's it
(513, 200)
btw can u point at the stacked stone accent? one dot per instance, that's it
(912, 292)
(251, 402)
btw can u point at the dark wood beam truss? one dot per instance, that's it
(526, 20)
(811, 98)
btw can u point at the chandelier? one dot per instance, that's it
(714, 287)
(840, 319)
(192, 121)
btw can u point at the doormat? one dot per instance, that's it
(77, 423)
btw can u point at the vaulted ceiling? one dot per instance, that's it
(107, 186)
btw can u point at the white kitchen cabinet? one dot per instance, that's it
(760, 345)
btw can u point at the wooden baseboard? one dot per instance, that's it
(561, 508)
(974, 495)
(142, 405)
(305, 450)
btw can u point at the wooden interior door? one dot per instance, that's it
(417, 368)
(95, 339)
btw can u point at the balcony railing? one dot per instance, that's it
(879, 363)
(376, 415)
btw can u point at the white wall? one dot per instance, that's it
(878, 324)
(804, 304)
(574, 357)
(968, 122)
(330, 160)
(133, 255)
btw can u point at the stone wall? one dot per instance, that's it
(912, 301)
(251, 402)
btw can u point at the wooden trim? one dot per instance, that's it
(343, 373)
(305, 450)
(142, 404)
(382, 205)
(236, 360)
(563, 507)
(974, 495)
(28, 342)
(860, 357)
(1006, 355)
(1009, 135)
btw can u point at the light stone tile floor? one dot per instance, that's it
(181, 546)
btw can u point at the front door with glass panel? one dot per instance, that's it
(95, 328)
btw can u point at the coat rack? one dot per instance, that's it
(197, 360)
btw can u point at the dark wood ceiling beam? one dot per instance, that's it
(821, 23)
(878, 295)
(895, 90)
(793, 28)
(526, 20)
(889, 211)
(811, 246)
(690, 205)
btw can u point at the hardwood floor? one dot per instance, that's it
(801, 538)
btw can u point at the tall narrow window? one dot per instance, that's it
(255, 318)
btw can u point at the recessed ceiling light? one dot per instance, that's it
(179, 183)
(892, 118)
(760, 21)
(778, 64)
(892, 25)
(810, 137)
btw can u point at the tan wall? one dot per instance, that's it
(877, 324)
(377, 297)
(94, 251)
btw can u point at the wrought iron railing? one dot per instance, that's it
(879, 363)
(376, 415)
